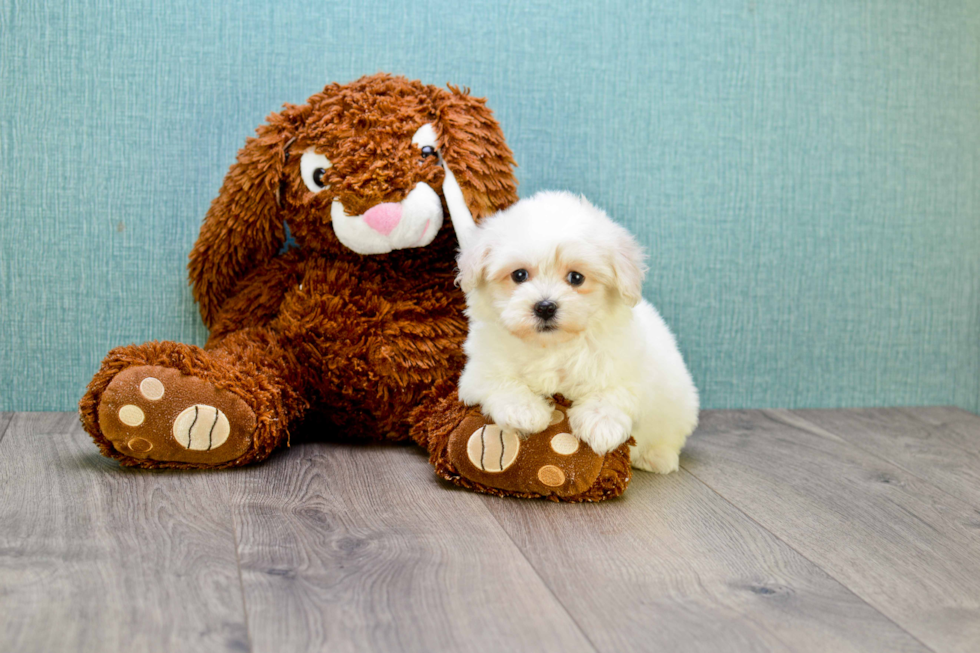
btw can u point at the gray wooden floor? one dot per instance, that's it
(848, 530)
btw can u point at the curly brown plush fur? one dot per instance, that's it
(369, 343)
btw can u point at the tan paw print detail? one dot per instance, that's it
(201, 427)
(492, 449)
(131, 415)
(565, 444)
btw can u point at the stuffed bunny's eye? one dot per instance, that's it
(425, 140)
(313, 168)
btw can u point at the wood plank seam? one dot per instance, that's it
(135, 553)
(9, 417)
(810, 427)
(336, 538)
(537, 573)
(951, 407)
(909, 411)
(758, 597)
(839, 503)
(241, 579)
(839, 581)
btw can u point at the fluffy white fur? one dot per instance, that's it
(606, 348)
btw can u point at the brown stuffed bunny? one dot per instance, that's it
(358, 327)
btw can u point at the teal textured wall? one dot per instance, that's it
(805, 174)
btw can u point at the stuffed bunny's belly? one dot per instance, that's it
(377, 347)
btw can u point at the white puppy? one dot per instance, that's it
(553, 291)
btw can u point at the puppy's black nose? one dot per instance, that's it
(545, 309)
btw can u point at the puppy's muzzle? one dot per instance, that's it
(546, 309)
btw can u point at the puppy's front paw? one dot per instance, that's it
(601, 426)
(526, 415)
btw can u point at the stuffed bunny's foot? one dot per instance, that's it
(156, 413)
(551, 463)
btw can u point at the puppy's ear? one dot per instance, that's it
(244, 228)
(472, 263)
(629, 266)
(479, 166)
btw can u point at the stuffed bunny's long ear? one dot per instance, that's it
(479, 166)
(459, 212)
(243, 228)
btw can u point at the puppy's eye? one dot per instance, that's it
(428, 150)
(519, 276)
(575, 278)
(313, 168)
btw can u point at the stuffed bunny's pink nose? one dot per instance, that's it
(383, 218)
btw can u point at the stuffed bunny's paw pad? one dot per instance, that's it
(156, 413)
